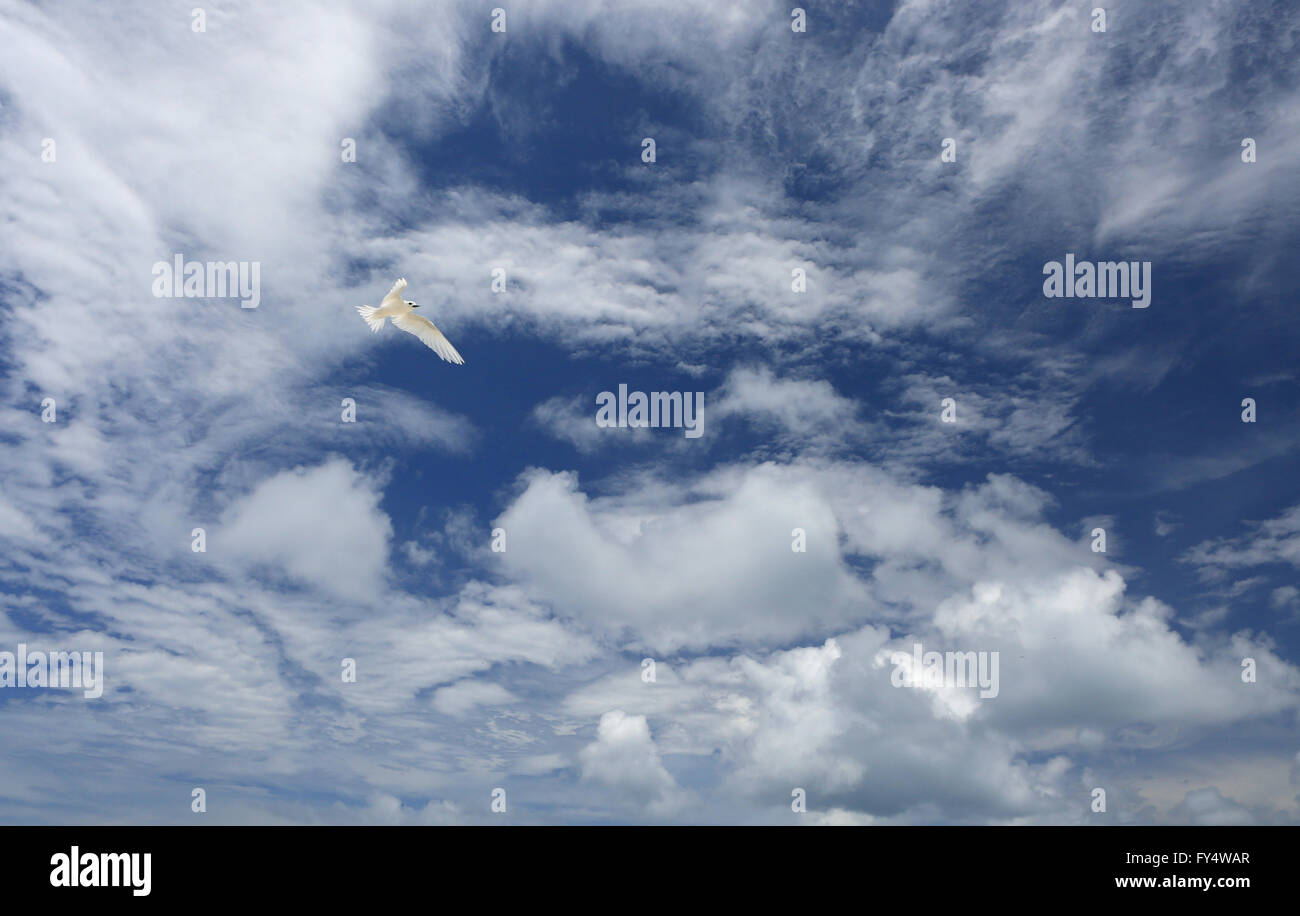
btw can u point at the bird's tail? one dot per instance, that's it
(368, 313)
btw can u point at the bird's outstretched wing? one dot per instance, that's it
(428, 332)
(395, 294)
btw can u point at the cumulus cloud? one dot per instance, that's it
(677, 574)
(624, 756)
(322, 526)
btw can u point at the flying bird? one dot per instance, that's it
(400, 310)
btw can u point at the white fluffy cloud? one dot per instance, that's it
(1081, 663)
(322, 526)
(624, 756)
(683, 574)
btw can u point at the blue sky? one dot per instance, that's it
(523, 670)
